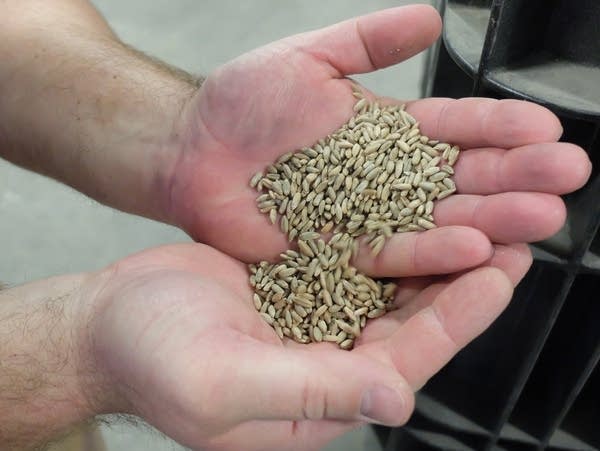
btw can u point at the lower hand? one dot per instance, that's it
(174, 338)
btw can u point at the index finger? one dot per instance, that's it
(430, 338)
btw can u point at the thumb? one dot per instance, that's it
(278, 383)
(373, 41)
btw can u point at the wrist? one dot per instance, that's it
(188, 175)
(45, 361)
(101, 388)
(80, 106)
(168, 152)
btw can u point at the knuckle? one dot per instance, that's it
(314, 400)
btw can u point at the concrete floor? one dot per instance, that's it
(49, 229)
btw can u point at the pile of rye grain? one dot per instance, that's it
(375, 176)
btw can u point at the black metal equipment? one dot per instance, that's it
(532, 381)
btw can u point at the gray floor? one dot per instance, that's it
(48, 229)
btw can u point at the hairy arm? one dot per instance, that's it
(78, 105)
(46, 377)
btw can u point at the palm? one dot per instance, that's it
(177, 329)
(294, 102)
(289, 94)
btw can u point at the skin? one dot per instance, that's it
(170, 334)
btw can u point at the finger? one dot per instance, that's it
(481, 122)
(384, 327)
(408, 288)
(505, 217)
(374, 41)
(277, 383)
(513, 259)
(436, 251)
(556, 168)
(462, 311)
(412, 294)
(431, 337)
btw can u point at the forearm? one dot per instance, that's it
(78, 105)
(46, 377)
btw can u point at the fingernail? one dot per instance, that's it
(382, 405)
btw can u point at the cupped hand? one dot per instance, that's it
(175, 339)
(289, 94)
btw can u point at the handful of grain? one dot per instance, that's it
(375, 176)
(316, 295)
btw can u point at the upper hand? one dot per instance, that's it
(291, 93)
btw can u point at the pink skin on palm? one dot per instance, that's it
(176, 333)
(291, 93)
